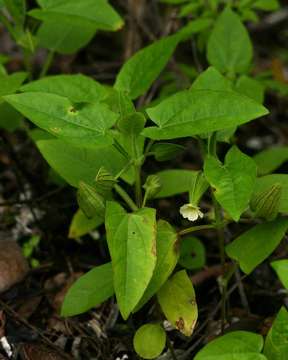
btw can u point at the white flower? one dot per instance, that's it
(191, 212)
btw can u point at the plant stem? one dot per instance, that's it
(47, 64)
(123, 194)
(195, 228)
(170, 347)
(220, 230)
(138, 190)
(148, 147)
(122, 171)
(221, 244)
(144, 200)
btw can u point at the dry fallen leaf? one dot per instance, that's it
(13, 265)
(37, 352)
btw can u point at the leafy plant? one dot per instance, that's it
(98, 140)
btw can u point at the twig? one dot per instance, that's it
(19, 318)
(171, 349)
(31, 201)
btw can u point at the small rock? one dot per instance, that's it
(13, 265)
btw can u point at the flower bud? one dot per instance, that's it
(152, 186)
(104, 181)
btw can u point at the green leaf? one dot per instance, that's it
(265, 182)
(167, 257)
(192, 253)
(229, 48)
(149, 341)
(256, 244)
(269, 160)
(77, 164)
(97, 13)
(132, 245)
(194, 27)
(194, 112)
(233, 182)
(120, 103)
(166, 151)
(281, 269)
(211, 79)
(17, 9)
(11, 83)
(81, 225)
(141, 70)
(276, 343)
(266, 5)
(132, 125)
(177, 300)
(240, 345)
(10, 119)
(82, 124)
(64, 38)
(89, 291)
(175, 182)
(251, 88)
(77, 88)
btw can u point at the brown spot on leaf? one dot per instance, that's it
(72, 110)
(177, 244)
(180, 324)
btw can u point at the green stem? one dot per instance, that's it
(221, 244)
(122, 171)
(123, 194)
(144, 200)
(138, 190)
(195, 228)
(148, 147)
(28, 64)
(47, 63)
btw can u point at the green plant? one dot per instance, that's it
(98, 142)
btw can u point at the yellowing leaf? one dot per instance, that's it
(167, 256)
(178, 303)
